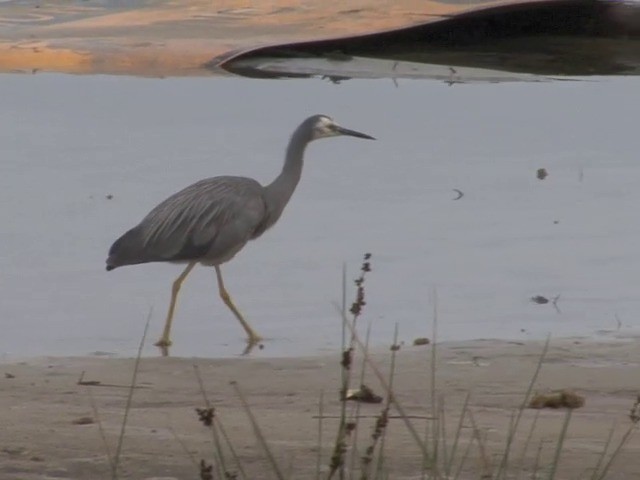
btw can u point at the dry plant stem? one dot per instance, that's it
(103, 436)
(218, 452)
(563, 435)
(486, 462)
(116, 458)
(320, 418)
(339, 449)
(510, 428)
(391, 417)
(344, 305)
(337, 458)
(175, 436)
(463, 460)
(392, 369)
(443, 430)
(381, 456)
(367, 459)
(344, 371)
(432, 464)
(432, 386)
(217, 422)
(290, 468)
(435, 438)
(525, 448)
(602, 456)
(434, 346)
(625, 438)
(215, 425)
(394, 400)
(456, 439)
(337, 463)
(501, 473)
(536, 465)
(383, 418)
(354, 438)
(258, 433)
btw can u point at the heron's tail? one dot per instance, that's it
(126, 250)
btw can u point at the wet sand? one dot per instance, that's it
(41, 403)
(162, 38)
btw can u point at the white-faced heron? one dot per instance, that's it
(210, 221)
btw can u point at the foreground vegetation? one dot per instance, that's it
(442, 446)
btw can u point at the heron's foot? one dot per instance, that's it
(164, 351)
(252, 341)
(163, 343)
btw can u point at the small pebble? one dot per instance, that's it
(542, 174)
(83, 421)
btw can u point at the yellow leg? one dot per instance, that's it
(164, 339)
(253, 337)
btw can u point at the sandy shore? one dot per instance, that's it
(164, 38)
(41, 404)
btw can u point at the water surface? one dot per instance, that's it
(69, 142)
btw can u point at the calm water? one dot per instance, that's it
(69, 141)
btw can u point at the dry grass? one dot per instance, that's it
(358, 450)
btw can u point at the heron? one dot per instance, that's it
(210, 221)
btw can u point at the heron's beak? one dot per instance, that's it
(352, 133)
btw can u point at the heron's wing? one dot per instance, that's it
(210, 217)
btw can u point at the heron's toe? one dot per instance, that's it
(253, 340)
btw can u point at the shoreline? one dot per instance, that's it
(43, 395)
(604, 336)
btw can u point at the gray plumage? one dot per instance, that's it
(210, 221)
(188, 225)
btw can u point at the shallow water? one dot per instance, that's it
(69, 141)
(499, 60)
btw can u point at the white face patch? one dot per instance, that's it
(325, 127)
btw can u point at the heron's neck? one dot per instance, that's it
(278, 192)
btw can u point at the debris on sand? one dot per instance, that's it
(558, 399)
(421, 341)
(83, 421)
(205, 415)
(364, 394)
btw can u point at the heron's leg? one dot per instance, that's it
(164, 339)
(254, 338)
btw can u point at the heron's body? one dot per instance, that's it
(210, 221)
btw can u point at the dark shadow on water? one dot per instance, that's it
(567, 37)
(546, 55)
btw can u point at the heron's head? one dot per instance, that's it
(322, 126)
